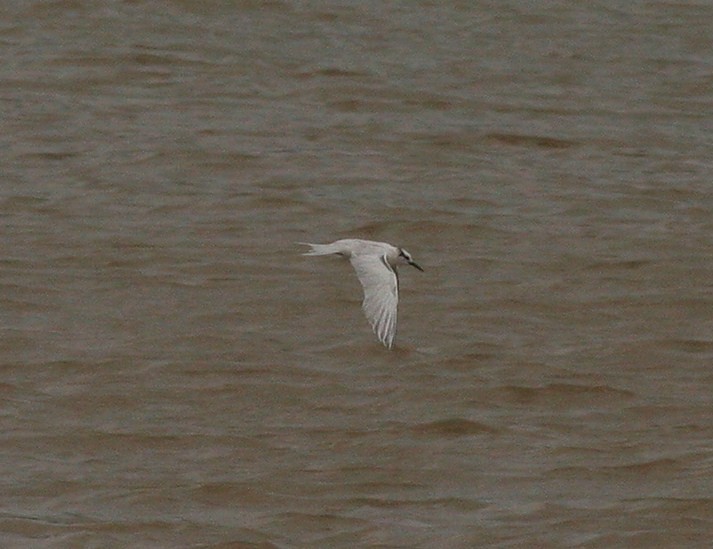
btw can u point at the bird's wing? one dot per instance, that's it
(381, 294)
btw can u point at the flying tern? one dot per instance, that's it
(375, 265)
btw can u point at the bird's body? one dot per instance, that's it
(375, 265)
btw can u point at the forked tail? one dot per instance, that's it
(319, 249)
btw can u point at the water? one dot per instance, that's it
(175, 374)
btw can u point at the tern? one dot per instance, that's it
(375, 265)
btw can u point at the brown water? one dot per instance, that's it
(175, 374)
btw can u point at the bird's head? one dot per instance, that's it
(405, 257)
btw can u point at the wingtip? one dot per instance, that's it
(387, 341)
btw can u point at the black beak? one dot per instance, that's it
(413, 264)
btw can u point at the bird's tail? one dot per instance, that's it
(318, 249)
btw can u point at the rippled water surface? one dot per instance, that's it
(175, 374)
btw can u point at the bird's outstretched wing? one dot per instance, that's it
(381, 294)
